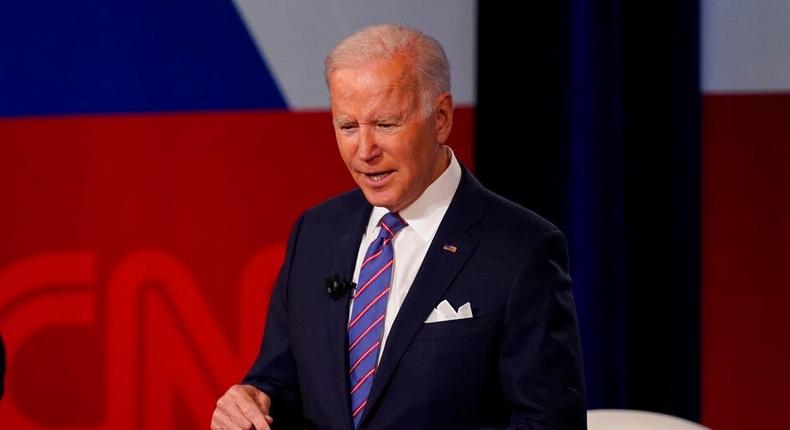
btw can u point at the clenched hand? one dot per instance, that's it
(242, 407)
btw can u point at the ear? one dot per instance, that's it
(443, 117)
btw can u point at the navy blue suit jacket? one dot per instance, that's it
(515, 364)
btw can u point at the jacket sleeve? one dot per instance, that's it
(274, 370)
(540, 356)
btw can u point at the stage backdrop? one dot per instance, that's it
(745, 213)
(153, 156)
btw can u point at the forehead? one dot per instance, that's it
(372, 88)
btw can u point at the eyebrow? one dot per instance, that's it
(390, 118)
(375, 120)
(340, 119)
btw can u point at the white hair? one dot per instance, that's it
(385, 41)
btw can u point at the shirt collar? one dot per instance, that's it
(425, 214)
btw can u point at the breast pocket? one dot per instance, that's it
(452, 329)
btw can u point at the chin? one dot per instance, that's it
(378, 199)
(379, 202)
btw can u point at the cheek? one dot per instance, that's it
(346, 151)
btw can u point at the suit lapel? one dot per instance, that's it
(434, 277)
(343, 258)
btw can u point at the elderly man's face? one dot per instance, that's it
(392, 150)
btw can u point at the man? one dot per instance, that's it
(462, 315)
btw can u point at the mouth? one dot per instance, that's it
(375, 178)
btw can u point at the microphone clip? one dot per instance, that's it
(337, 287)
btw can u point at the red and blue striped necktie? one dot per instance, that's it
(366, 325)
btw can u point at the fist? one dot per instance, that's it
(242, 407)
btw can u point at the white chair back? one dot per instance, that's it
(621, 419)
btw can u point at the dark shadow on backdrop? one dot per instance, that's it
(2, 367)
(600, 134)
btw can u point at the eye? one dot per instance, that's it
(387, 126)
(347, 127)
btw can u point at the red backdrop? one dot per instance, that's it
(745, 252)
(138, 252)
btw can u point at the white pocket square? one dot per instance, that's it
(445, 312)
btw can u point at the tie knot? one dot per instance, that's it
(391, 224)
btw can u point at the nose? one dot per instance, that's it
(368, 148)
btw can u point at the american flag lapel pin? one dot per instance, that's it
(450, 248)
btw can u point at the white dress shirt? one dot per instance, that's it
(411, 244)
